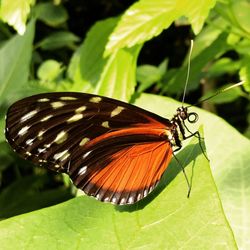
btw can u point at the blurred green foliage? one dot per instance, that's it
(123, 50)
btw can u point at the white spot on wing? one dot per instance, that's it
(30, 141)
(43, 100)
(40, 134)
(117, 111)
(80, 109)
(40, 150)
(61, 137)
(105, 124)
(28, 115)
(95, 99)
(28, 153)
(131, 200)
(106, 199)
(139, 196)
(42, 160)
(46, 118)
(86, 154)
(66, 98)
(62, 155)
(75, 118)
(84, 141)
(24, 130)
(123, 200)
(56, 105)
(114, 199)
(82, 170)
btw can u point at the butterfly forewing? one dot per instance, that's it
(112, 150)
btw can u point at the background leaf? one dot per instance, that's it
(15, 58)
(58, 40)
(118, 77)
(49, 70)
(146, 19)
(87, 62)
(15, 13)
(51, 14)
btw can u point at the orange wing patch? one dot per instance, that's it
(132, 173)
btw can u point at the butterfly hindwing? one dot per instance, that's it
(125, 176)
(100, 142)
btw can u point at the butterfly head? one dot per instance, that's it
(183, 114)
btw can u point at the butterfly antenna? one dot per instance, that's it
(188, 71)
(218, 92)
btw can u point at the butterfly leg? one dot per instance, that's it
(197, 135)
(183, 170)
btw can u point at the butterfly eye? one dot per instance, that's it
(193, 117)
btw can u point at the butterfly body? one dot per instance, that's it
(111, 150)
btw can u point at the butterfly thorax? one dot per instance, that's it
(178, 125)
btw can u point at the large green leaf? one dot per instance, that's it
(229, 154)
(166, 219)
(91, 60)
(147, 18)
(15, 58)
(118, 79)
(15, 13)
(87, 62)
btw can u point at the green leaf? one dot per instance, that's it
(240, 10)
(91, 59)
(49, 70)
(74, 74)
(229, 155)
(208, 36)
(118, 76)
(223, 66)
(58, 40)
(15, 13)
(15, 58)
(147, 75)
(52, 15)
(147, 18)
(87, 62)
(166, 219)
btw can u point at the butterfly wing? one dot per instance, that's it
(125, 172)
(90, 137)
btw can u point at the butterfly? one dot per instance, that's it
(111, 150)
